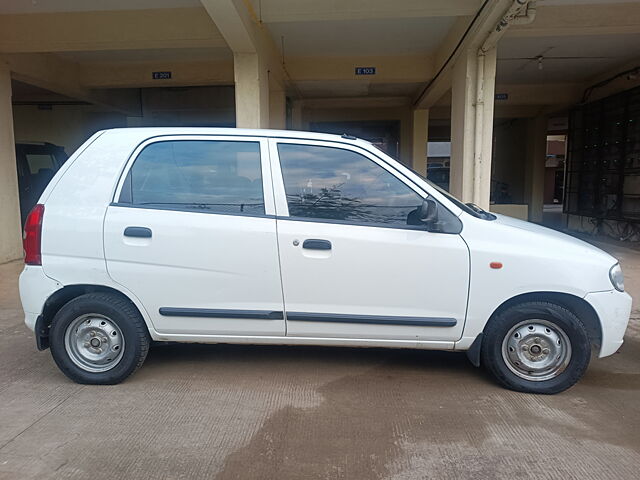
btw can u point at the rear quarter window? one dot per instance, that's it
(208, 175)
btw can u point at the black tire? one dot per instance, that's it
(501, 325)
(118, 310)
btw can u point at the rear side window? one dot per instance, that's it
(337, 184)
(214, 176)
(37, 162)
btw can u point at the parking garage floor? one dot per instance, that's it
(259, 412)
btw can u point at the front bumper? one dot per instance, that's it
(613, 309)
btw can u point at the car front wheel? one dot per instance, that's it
(536, 347)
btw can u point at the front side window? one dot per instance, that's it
(336, 184)
(207, 175)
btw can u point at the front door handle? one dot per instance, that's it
(139, 232)
(315, 244)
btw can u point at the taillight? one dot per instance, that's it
(32, 236)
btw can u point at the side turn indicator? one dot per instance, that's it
(495, 265)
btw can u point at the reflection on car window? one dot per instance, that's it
(215, 176)
(336, 184)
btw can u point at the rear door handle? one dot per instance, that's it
(140, 232)
(315, 244)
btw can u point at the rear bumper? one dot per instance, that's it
(35, 289)
(613, 309)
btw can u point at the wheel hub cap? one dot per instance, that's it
(94, 342)
(536, 350)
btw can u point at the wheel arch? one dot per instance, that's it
(60, 298)
(579, 306)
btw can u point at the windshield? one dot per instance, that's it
(469, 208)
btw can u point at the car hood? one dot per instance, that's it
(542, 236)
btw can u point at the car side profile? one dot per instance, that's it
(279, 237)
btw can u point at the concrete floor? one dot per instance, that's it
(256, 412)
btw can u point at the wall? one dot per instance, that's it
(70, 125)
(403, 114)
(189, 106)
(65, 125)
(509, 154)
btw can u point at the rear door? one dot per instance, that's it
(192, 234)
(355, 264)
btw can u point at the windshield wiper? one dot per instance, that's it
(482, 213)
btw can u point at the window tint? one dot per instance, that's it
(216, 176)
(337, 184)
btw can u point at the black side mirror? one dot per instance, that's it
(428, 211)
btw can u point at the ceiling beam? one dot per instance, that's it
(355, 102)
(589, 19)
(614, 80)
(245, 34)
(108, 30)
(235, 23)
(276, 11)
(139, 75)
(389, 69)
(532, 95)
(57, 75)
(459, 41)
(539, 94)
(397, 69)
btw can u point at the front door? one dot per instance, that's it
(193, 236)
(354, 262)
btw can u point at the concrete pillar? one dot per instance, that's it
(473, 91)
(483, 162)
(535, 164)
(296, 115)
(420, 139)
(251, 90)
(277, 108)
(10, 228)
(462, 128)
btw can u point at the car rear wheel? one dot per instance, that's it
(536, 347)
(99, 338)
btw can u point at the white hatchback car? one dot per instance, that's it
(281, 237)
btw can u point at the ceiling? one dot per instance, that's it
(149, 55)
(371, 31)
(49, 6)
(370, 37)
(582, 57)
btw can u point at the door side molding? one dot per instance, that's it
(372, 319)
(221, 313)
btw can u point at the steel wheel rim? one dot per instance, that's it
(94, 342)
(536, 350)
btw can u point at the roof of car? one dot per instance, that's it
(147, 132)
